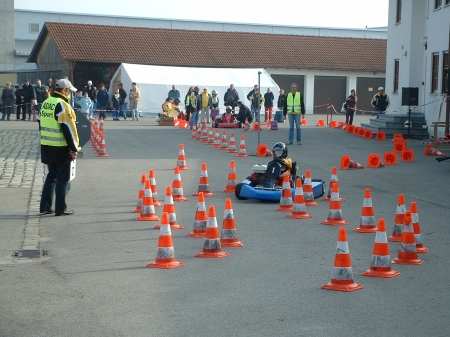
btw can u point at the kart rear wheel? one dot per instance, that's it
(237, 191)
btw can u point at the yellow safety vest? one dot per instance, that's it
(293, 103)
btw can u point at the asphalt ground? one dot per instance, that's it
(92, 279)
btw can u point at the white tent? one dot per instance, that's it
(155, 82)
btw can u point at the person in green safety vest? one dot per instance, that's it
(294, 106)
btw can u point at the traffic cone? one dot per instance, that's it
(212, 247)
(390, 158)
(381, 135)
(140, 194)
(374, 161)
(431, 151)
(342, 275)
(96, 122)
(399, 219)
(246, 126)
(334, 178)
(194, 131)
(381, 260)
(367, 222)
(368, 134)
(320, 122)
(361, 132)
(350, 128)
(152, 179)
(228, 236)
(200, 218)
(304, 121)
(232, 179)
(286, 196)
(308, 190)
(169, 207)
(198, 135)
(165, 255)
(335, 212)
(177, 186)
(224, 144)
(397, 136)
(400, 145)
(210, 137)
(421, 249)
(147, 208)
(216, 139)
(332, 124)
(203, 185)
(299, 207)
(408, 251)
(242, 149)
(204, 133)
(347, 163)
(232, 145)
(101, 126)
(181, 161)
(102, 149)
(407, 156)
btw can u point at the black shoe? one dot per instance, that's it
(48, 211)
(64, 213)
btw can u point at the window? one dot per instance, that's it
(434, 72)
(447, 2)
(437, 4)
(445, 64)
(396, 74)
(34, 27)
(399, 11)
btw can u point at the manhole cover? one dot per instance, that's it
(27, 254)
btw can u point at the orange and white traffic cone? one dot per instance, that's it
(399, 220)
(147, 208)
(334, 178)
(140, 194)
(367, 222)
(347, 163)
(342, 275)
(181, 161)
(232, 179)
(421, 249)
(232, 145)
(299, 207)
(286, 196)
(408, 251)
(200, 218)
(335, 212)
(198, 135)
(96, 122)
(169, 207)
(194, 131)
(224, 144)
(308, 190)
(431, 151)
(101, 126)
(246, 126)
(102, 147)
(228, 235)
(242, 149)
(177, 186)
(151, 176)
(381, 260)
(212, 247)
(203, 185)
(204, 133)
(216, 139)
(210, 137)
(165, 255)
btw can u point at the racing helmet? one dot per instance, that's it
(280, 150)
(213, 92)
(177, 100)
(228, 108)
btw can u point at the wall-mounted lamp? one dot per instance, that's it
(424, 41)
(406, 53)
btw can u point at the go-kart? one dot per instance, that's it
(264, 184)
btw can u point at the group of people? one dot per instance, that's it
(380, 101)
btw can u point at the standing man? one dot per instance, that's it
(380, 102)
(281, 102)
(251, 92)
(231, 97)
(205, 100)
(9, 100)
(41, 94)
(135, 95)
(59, 147)
(195, 107)
(268, 105)
(30, 97)
(174, 93)
(256, 102)
(102, 101)
(294, 107)
(92, 94)
(122, 97)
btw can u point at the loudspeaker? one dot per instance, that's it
(447, 80)
(410, 96)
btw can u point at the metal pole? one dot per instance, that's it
(259, 107)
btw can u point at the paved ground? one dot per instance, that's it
(92, 279)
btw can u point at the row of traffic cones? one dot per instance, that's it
(97, 140)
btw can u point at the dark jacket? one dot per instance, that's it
(31, 94)
(123, 96)
(92, 92)
(102, 97)
(115, 100)
(254, 101)
(250, 94)
(381, 101)
(281, 101)
(41, 93)
(230, 96)
(268, 99)
(21, 96)
(8, 97)
(244, 112)
(351, 102)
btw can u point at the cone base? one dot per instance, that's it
(299, 216)
(196, 235)
(336, 285)
(311, 203)
(174, 226)
(415, 262)
(212, 255)
(328, 199)
(229, 190)
(205, 194)
(165, 265)
(232, 151)
(231, 244)
(365, 229)
(103, 155)
(394, 238)
(377, 273)
(284, 209)
(148, 218)
(136, 210)
(224, 148)
(183, 168)
(180, 198)
(242, 155)
(422, 250)
(335, 222)
(157, 203)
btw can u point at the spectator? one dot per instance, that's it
(21, 98)
(174, 92)
(77, 100)
(50, 83)
(8, 101)
(294, 107)
(41, 94)
(59, 147)
(231, 97)
(214, 100)
(86, 105)
(251, 92)
(268, 105)
(187, 103)
(256, 101)
(205, 101)
(244, 113)
(30, 97)
(380, 102)
(102, 101)
(195, 107)
(167, 105)
(92, 93)
(135, 94)
(351, 107)
(123, 96)
(116, 105)
(281, 101)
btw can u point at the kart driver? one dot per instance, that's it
(280, 153)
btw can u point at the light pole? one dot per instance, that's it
(259, 106)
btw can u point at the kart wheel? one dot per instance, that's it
(237, 191)
(323, 185)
